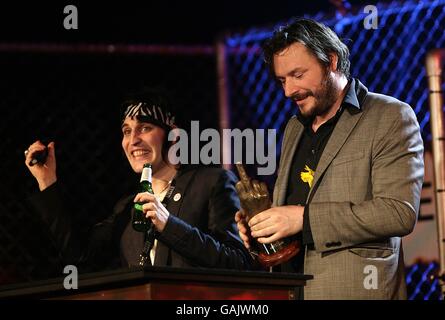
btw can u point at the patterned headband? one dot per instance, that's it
(150, 113)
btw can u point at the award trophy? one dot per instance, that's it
(254, 198)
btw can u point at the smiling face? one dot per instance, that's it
(305, 80)
(142, 143)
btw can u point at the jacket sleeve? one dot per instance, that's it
(91, 255)
(396, 181)
(220, 246)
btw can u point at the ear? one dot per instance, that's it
(333, 58)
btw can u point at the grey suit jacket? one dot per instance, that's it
(365, 196)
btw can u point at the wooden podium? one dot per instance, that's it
(164, 283)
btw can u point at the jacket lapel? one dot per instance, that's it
(173, 207)
(347, 122)
(292, 137)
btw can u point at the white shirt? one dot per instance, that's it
(161, 197)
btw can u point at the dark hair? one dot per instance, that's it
(318, 39)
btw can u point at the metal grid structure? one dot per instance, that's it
(388, 60)
(71, 94)
(418, 282)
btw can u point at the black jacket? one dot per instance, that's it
(200, 230)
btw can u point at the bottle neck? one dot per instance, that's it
(146, 186)
(146, 175)
(146, 180)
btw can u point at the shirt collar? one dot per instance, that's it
(351, 95)
(349, 101)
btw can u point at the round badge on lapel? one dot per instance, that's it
(177, 197)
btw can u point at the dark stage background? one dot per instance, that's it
(66, 85)
(73, 99)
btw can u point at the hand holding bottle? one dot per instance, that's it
(153, 209)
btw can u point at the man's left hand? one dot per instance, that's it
(277, 223)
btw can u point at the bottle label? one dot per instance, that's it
(146, 175)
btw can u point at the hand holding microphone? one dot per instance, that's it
(41, 162)
(38, 157)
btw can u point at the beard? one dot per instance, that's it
(324, 97)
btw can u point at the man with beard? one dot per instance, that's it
(350, 175)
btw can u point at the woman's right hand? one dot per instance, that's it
(45, 174)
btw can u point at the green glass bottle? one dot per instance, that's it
(140, 222)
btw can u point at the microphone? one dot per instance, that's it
(39, 157)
